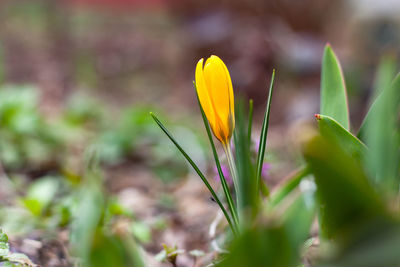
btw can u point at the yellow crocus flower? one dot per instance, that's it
(214, 89)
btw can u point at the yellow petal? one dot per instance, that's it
(214, 87)
(219, 85)
(231, 97)
(203, 95)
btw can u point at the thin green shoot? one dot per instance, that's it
(194, 166)
(250, 119)
(264, 133)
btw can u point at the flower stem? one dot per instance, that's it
(232, 168)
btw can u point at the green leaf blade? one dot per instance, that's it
(264, 133)
(380, 131)
(333, 89)
(332, 130)
(291, 183)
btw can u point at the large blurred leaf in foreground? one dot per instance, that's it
(91, 239)
(380, 248)
(276, 242)
(347, 202)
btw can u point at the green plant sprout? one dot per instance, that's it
(355, 177)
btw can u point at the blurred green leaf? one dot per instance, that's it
(275, 242)
(285, 189)
(141, 231)
(347, 202)
(87, 218)
(248, 196)
(40, 194)
(299, 216)
(106, 251)
(4, 247)
(261, 246)
(91, 240)
(379, 248)
(379, 130)
(8, 258)
(26, 139)
(332, 130)
(385, 73)
(333, 89)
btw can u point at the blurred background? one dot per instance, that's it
(78, 75)
(136, 51)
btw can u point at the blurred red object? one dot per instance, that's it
(123, 4)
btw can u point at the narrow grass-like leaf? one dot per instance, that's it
(291, 183)
(225, 186)
(194, 166)
(331, 130)
(264, 133)
(333, 89)
(250, 120)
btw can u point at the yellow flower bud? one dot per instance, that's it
(214, 89)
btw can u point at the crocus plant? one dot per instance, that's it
(216, 101)
(215, 93)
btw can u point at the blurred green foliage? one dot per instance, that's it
(25, 137)
(358, 184)
(30, 141)
(67, 190)
(9, 259)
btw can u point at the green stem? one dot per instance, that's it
(232, 168)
